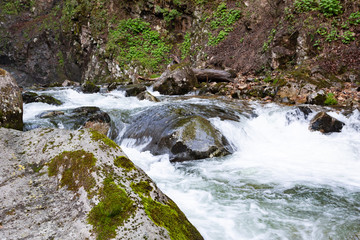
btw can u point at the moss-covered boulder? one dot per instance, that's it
(183, 132)
(29, 97)
(11, 103)
(178, 80)
(61, 184)
(90, 87)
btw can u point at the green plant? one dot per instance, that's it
(348, 37)
(330, 7)
(330, 99)
(305, 5)
(354, 18)
(185, 46)
(271, 37)
(222, 21)
(332, 36)
(133, 41)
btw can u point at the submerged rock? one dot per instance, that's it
(11, 103)
(60, 184)
(29, 97)
(178, 81)
(324, 123)
(183, 132)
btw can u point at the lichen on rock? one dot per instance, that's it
(62, 184)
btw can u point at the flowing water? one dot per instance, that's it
(282, 182)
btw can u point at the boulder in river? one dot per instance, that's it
(11, 103)
(324, 123)
(133, 89)
(61, 184)
(90, 87)
(183, 132)
(147, 96)
(178, 80)
(29, 97)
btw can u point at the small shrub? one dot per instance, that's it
(330, 7)
(354, 18)
(305, 5)
(222, 19)
(348, 37)
(330, 99)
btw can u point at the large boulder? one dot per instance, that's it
(178, 80)
(183, 132)
(324, 123)
(61, 184)
(11, 104)
(29, 97)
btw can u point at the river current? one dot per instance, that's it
(282, 182)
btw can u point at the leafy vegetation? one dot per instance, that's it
(133, 41)
(271, 37)
(330, 99)
(330, 7)
(222, 21)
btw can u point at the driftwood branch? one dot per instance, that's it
(212, 75)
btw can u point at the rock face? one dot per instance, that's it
(11, 104)
(324, 123)
(61, 184)
(182, 132)
(179, 81)
(29, 97)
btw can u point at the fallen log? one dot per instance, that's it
(213, 75)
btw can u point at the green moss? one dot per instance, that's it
(111, 212)
(76, 168)
(107, 143)
(192, 125)
(124, 162)
(170, 217)
(36, 167)
(142, 188)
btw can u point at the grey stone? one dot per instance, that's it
(47, 193)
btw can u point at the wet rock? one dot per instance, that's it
(183, 132)
(100, 122)
(73, 119)
(11, 103)
(90, 87)
(325, 123)
(176, 81)
(55, 183)
(299, 113)
(134, 89)
(29, 97)
(68, 83)
(49, 114)
(112, 86)
(147, 96)
(317, 98)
